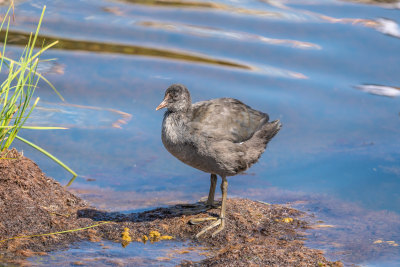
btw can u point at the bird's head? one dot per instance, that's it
(176, 99)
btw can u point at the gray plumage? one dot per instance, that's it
(220, 136)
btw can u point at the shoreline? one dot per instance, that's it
(33, 204)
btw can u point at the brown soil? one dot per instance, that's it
(256, 233)
(31, 203)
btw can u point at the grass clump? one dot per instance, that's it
(17, 99)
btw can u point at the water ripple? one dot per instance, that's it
(18, 38)
(78, 116)
(379, 90)
(213, 32)
(383, 25)
(382, 3)
(218, 6)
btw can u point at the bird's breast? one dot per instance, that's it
(173, 130)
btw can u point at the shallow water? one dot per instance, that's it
(166, 253)
(327, 69)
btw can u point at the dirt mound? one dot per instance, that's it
(31, 203)
(256, 233)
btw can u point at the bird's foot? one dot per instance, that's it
(218, 221)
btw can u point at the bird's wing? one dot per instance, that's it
(225, 119)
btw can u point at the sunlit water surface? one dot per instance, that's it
(329, 70)
(107, 253)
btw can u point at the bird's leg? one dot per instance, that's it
(221, 219)
(202, 206)
(224, 190)
(211, 194)
(210, 201)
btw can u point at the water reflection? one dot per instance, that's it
(77, 116)
(176, 3)
(385, 26)
(208, 5)
(166, 253)
(383, 3)
(388, 27)
(214, 32)
(19, 38)
(379, 90)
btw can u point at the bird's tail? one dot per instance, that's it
(257, 144)
(269, 130)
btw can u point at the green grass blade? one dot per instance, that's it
(18, 88)
(4, 43)
(44, 49)
(72, 180)
(51, 85)
(39, 75)
(43, 128)
(4, 19)
(36, 127)
(37, 32)
(47, 154)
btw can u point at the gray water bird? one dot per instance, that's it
(220, 136)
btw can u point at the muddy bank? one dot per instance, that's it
(30, 204)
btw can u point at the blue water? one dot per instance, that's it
(306, 63)
(166, 253)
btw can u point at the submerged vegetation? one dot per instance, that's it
(17, 91)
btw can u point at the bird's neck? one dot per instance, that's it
(175, 126)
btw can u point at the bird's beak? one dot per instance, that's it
(164, 103)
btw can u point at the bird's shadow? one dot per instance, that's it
(147, 216)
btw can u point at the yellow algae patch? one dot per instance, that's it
(166, 237)
(287, 220)
(154, 235)
(125, 235)
(126, 238)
